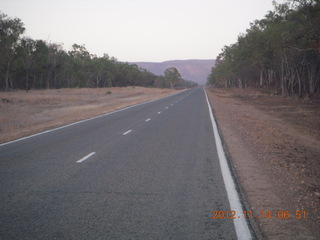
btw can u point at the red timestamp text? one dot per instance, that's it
(261, 215)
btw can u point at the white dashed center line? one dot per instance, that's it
(86, 157)
(129, 131)
(147, 120)
(159, 112)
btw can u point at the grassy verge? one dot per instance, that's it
(23, 114)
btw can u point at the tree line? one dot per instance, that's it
(279, 53)
(26, 63)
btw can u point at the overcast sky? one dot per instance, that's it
(139, 30)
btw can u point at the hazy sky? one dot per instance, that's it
(139, 30)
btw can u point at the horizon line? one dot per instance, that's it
(193, 59)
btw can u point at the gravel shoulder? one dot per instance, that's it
(274, 146)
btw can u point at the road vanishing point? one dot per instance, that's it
(149, 171)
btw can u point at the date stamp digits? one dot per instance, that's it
(261, 214)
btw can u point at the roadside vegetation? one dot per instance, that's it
(23, 114)
(27, 64)
(279, 53)
(268, 113)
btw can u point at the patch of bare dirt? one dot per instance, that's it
(24, 113)
(274, 147)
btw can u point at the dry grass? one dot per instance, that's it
(23, 114)
(274, 146)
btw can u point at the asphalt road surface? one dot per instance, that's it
(146, 172)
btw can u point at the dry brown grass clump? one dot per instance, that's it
(23, 113)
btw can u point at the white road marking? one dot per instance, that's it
(147, 120)
(167, 107)
(129, 131)
(159, 112)
(241, 226)
(86, 157)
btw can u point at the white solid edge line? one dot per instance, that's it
(81, 121)
(241, 226)
(129, 131)
(86, 157)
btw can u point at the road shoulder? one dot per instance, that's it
(249, 135)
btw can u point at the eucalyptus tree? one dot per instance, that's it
(172, 75)
(280, 51)
(10, 31)
(24, 62)
(80, 58)
(41, 60)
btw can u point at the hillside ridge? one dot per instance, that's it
(196, 70)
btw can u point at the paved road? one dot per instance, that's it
(147, 172)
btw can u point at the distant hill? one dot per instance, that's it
(194, 70)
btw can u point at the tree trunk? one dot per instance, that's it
(240, 82)
(48, 80)
(282, 79)
(299, 83)
(41, 79)
(261, 78)
(311, 75)
(27, 81)
(7, 76)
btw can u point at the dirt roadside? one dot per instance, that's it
(24, 113)
(274, 146)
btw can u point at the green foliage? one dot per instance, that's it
(10, 31)
(173, 76)
(280, 52)
(26, 63)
